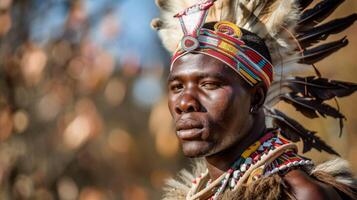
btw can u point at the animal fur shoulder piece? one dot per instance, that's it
(177, 189)
(335, 173)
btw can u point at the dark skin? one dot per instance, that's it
(218, 115)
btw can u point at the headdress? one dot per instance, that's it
(293, 35)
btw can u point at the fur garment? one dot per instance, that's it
(335, 173)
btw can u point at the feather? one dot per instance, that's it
(337, 173)
(304, 3)
(274, 94)
(341, 119)
(318, 13)
(320, 88)
(315, 54)
(162, 4)
(310, 107)
(338, 168)
(156, 24)
(316, 34)
(313, 89)
(283, 13)
(276, 25)
(294, 131)
(254, 22)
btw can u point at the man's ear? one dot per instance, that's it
(258, 98)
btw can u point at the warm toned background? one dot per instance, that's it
(83, 112)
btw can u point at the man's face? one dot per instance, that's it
(210, 104)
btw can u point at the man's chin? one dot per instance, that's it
(195, 149)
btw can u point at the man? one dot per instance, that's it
(221, 91)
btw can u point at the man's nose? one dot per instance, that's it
(187, 103)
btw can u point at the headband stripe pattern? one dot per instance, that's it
(249, 64)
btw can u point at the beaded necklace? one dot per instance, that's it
(257, 152)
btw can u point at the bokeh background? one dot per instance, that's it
(83, 111)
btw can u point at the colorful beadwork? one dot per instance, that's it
(253, 154)
(228, 28)
(286, 161)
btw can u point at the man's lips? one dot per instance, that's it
(190, 134)
(189, 129)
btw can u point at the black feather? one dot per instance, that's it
(304, 3)
(315, 54)
(294, 131)
(316, 34)
(314, 90)
(318, 13)
(310, 87)
(340, 120)
(310, 107)
(320, 88)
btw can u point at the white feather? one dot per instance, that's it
(340, 169)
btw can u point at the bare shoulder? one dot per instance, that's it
(306, 188)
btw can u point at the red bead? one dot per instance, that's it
(256, 158)
(189, 43)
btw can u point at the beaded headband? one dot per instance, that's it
(223, 44)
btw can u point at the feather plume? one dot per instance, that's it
(321, 88)
(308, 93)
(310, 107)
(312, 87)
(156, 24)
(317, 14)
(338, 168)
(283, 15)
(316, 34)
(304, 3)
(161, 3)
(274, 24)
(294, 131)
(337, 174)
(313, 55)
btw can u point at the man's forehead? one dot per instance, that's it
(198, 63)
(198, 58)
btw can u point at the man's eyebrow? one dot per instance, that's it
(200, 75)
(172, 78)
(217, 75)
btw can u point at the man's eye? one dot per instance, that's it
(176, 88)
(211, 85)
